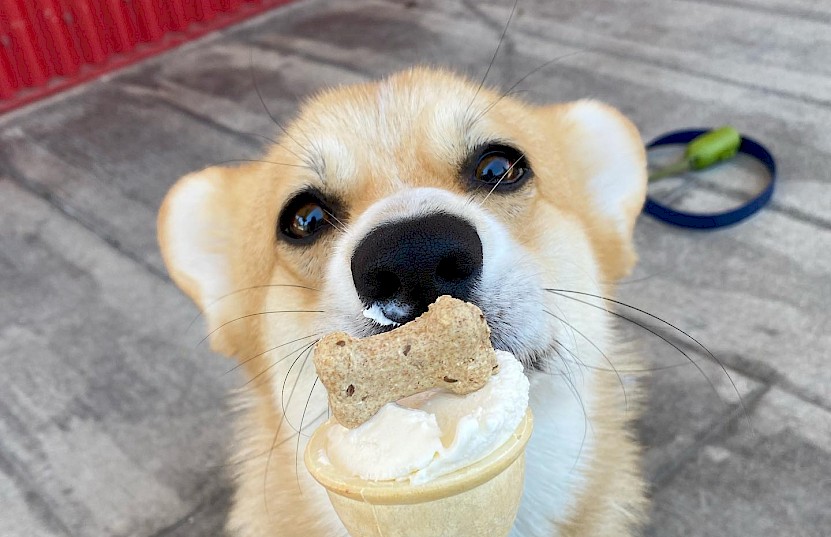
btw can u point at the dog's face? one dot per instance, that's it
(381, 197)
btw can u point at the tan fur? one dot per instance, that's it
(386, 141)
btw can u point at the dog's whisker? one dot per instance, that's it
(263, 136)
(314, 419)
(568, 371)
(580, 363)
(284, 419)
(254, 315)
(562, 293)
(283, 406)
(237, 462)
(472, 196)
(586, 422)
(299, 434)
(501, 178)
(299, 351)
(245, 289)
(267, 111)
(638, 370)
(574, 342)
(274, 445)
(320, 415)
(570, 333)
(577, 361)
(640, 280)
(510, 90)
(598, 349)
(573, 389)
(243, 362)
(265, 473)
(495, 186)
(342, 227)
(493, 58)
(314, 161)
(262, 161)
(565, 292)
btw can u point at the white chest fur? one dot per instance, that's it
(562, 439)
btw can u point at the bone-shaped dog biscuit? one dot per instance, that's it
(446, 347)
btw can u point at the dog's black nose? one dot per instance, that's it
(405, 266)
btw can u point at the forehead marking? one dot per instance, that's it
(389, 113)
(338, 162)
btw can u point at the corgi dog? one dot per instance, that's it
(380, 197)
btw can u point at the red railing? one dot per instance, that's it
(49, 45)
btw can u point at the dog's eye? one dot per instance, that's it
(304, 217)
(502, 167)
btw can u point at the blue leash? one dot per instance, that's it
(721, 144)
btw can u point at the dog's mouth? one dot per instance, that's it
(384, 314)
(503, 338)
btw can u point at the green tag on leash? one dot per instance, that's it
(704, 151)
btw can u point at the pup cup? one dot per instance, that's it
(446, 349)
(480, 500)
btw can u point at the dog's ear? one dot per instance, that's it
(604, 153)
(195, 231)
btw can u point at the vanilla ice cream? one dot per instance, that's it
(434, 433)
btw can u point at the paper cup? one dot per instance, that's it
(480, 500)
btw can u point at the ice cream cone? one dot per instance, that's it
(480, 500)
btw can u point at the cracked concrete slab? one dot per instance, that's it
(769, 477)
